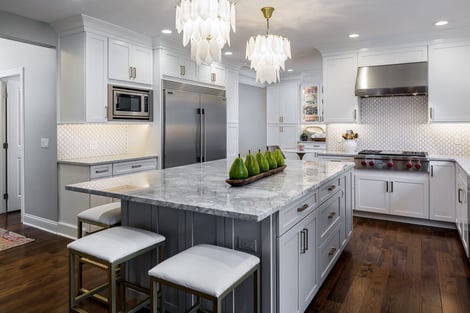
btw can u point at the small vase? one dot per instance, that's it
(350, 146)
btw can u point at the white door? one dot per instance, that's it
(409, 196)
(12, 135)
(372, 193)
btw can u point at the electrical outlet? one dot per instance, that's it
(44, 143)
(247, 244)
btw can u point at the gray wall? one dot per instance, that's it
(39, 64)
(19, 28)
(252, 114)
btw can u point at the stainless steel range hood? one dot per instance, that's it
(392, 80)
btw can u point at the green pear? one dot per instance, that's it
(238, 169)
(269, 156)
(262, 162)
(251, 164)
(279, 158)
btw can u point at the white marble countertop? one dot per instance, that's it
(202, 188)
(106, 159)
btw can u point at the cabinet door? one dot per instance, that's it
(441, 191)
(273, 135)
(272, 104)
(289, 101)
(174, 65)
(371, 193)
(409, 196)
(142, 62)
(289, 136)
(308, 281)
(339, 79)
(449, 79)
(95, 77)
(212, 74)
(289, 246)
(119, 56)
(462, 209)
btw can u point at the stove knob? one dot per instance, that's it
(371, 163)
(363, 163)
(417, 166)
(389, 164)
(409, 165)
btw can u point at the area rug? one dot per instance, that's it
(10, 239)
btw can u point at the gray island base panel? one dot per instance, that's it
(192, 204)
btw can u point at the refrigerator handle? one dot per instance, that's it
(204, 130)
(201, 134)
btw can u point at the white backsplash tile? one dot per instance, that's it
(91, 140)
(400, 123)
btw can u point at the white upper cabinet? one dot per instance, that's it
(392, 56)
(212, 74)
(174, 65)
(283, 103)
(449, 81)
(128, 62)
(83, 70)
(339, 79)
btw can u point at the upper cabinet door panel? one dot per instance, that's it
(449, 81)
(119, 56)
(142, 62)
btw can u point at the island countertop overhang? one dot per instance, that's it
(202, 188)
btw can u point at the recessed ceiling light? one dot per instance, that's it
(441, 23)
(290, 70)
(166, 31)
(353, 35)
(228, 53)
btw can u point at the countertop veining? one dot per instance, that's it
(106, 159)
(202, 188)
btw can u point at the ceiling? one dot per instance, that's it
(310, 25)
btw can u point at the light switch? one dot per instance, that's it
(44, 143)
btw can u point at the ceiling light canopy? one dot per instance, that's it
(441, 23)
(206, 24)
(353, 35)
(267, 52)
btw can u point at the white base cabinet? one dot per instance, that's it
(285, 136)
(404, 194)
(462, 217)
(442, 191)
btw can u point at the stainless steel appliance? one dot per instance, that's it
(410, 161)
(392, 80)
(194, 124)
(129, 103)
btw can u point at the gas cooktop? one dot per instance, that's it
(394, 153)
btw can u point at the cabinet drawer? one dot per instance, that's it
(134, 166)
(328, 252)
(290, 216)
(328, 188)
(328, 215)
(99, 171)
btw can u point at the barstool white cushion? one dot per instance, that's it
(205, 268)
(114, 244)
(108, 214)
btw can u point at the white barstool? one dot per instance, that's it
(207, 271)
(109, 249)
(105, 216)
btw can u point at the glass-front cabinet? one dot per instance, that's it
(311, 108)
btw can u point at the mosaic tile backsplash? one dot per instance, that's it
(400, 123)
(90, 140)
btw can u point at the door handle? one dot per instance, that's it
(306, 239)
(386, 186)
(302, 242)
(391, 186)
(130, 71)
(459, 196)
(432, 170)
(205, 135)
(134, 72)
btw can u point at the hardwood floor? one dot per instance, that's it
(386, 267)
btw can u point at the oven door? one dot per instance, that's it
(130, 104)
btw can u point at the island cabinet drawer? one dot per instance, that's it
(134, 166)
(290, 216)
(100, 171)
(328, 215)
(330, 187)
(328, 252)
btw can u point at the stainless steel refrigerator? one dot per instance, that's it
(194, 124)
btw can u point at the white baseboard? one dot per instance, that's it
(67, 230)
(40, 222)
(403, 219)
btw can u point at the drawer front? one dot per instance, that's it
(328, 252)
(99, 171)
(328, 188)
(329, 214)
(134, 166)
(290, 216)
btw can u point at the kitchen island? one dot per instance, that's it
(297, 222)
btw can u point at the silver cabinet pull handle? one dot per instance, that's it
(130, 71)
(302, 208)
(391, 186)
(386, 186)
(332, 251)
(101, 171)
(302, 242)
(136, 166)
(459, 195)
(331, 188)
(134, 71)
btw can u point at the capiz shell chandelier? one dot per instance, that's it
(267, 52)
(206, 24)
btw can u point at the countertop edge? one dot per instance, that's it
(120, 158)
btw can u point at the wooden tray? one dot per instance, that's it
(252, 179)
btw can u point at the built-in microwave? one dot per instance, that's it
(129, 103)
